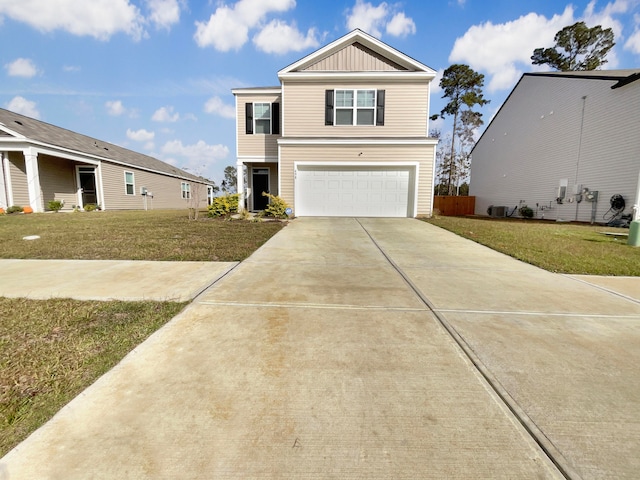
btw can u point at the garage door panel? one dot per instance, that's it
(353, 191)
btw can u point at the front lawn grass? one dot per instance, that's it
(557, 247)
(131, 235)
(51, 350)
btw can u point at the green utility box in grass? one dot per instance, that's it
(634, 234)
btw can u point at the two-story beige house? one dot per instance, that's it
(345, 133)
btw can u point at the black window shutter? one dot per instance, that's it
(275, 118)
(380, 108)
(249, 118)
(328, 107)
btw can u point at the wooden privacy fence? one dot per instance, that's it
(452, 206)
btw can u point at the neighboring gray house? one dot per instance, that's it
(567, 144)
(40, 162)
(344, 134)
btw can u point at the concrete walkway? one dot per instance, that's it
(366, 348)
(108, 279)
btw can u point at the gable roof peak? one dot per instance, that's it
(363, 38)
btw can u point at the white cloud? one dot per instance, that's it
(217, 106)
(141, 135)
(502, 50)
(195, 158)
(633, 42)
(401, 26)
(228, 27)
(71, 68)
(96, 18)
(164, 13)
(115, 108)
(165, 114)
(373, 19)
(23, 106)
(435, 83)
(21, 67)
(279, 37)
(367, 17)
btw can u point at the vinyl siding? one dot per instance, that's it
(406, 110)
(166, 190)
(355, 58)
(255, 145)
(539, 138)
(422, 154)
(18, 173)
(58, 180)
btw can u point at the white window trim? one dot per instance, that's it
(355, 107)
(185, 193)
(255, 118)
(133, 176)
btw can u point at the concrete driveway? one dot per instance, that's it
(366, 348)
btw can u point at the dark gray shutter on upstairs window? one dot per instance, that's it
(380, 108)
(328, 107)
(275, 119)
(249, 118)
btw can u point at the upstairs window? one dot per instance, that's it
(262, 118)
(354, 107)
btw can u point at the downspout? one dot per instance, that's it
(4, 197)
(584, 103)
(636, 205)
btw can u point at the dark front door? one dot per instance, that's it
(88, 185)
(260, 180)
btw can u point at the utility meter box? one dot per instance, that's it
(143, 190)
(592, 196)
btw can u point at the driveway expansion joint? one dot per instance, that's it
(535, 433)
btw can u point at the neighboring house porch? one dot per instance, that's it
(40, 162)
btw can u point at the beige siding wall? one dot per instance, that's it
(422, 154)
(257, 145)
(58, 180)
(18, 173)
(406, 110)
(536, 141)
(355, 58)
(166, 190)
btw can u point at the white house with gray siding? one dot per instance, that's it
(565, 144)
(40, 162)
(344, 134)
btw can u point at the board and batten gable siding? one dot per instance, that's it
(255, 145)
(355, 58)
(540, 136)
(166, 190)
(18, 173)
(349, 154)
(405, 110)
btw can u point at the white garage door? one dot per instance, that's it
(353, 191)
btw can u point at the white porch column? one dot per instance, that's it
(4, 201)
(33, 180)
(240, 185)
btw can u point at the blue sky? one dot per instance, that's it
(156, 76)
